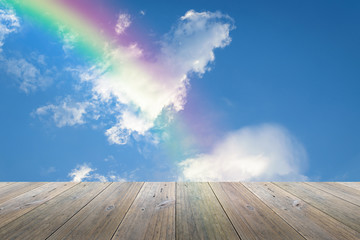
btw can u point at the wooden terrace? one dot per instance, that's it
(188, 210)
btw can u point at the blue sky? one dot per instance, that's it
(279, 100)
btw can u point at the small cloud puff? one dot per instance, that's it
(9, 23)
(261, 153)
(80, 173)
(84, 172)
(123, 22)
(29, 76)
(67, 113)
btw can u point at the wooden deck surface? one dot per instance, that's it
(136, 210)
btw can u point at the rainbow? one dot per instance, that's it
(78, 17)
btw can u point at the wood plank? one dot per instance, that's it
(48, 217)
(25, 202)
(306, 219)
(341, 210)
(250, 216)
(13, 190)
(3, 184)
(102, 216)
(152, 215)
(347, 193)
(355, 185)
(199, 214)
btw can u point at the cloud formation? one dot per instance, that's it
(261, 153)
(146, 88)
(123, 22)
(9, 23)
(85, 173)
(80, 173)
(67, 113)
(25, 71)
(29, 76)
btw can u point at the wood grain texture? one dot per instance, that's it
(347, 193)
(152, 215)
(3, 184)
(354, 185)
(250, 216)
(341, 210)
(48, 217)
(102, 216)
(15, 207)
(199, 214)
(13, 190)
(306, 219)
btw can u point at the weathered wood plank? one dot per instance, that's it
(13, 190)
(355, 185)
(341, 210)
(152, 215)
(347, 193)
(306, 219)
(250, 216)
(42, 221)
(199, 214)
(102, 216)
(25, 202)
(3, 184)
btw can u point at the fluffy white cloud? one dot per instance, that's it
(9, 23)
(80, 173)
(123, 22)
(148, 87)
(68, 113)
(190, 45)
(116, 178)
(127, 124)
(262, 153)
(84, 172)
(68, 37)
(28, 75)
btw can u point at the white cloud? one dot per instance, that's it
(69, 38)
(28, 75)
(31, 73)
(68, 113)
(262, 153)
(84, 172)
(116, 178)
(99, 177)
(190, 44)
(123, 22)
(9, 23)
(145, 88)
(117, 135)
(80, 173)
(127, 124)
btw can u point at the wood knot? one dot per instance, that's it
(110, 207)
(251, 208)
(165, 204)
(296, 203)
